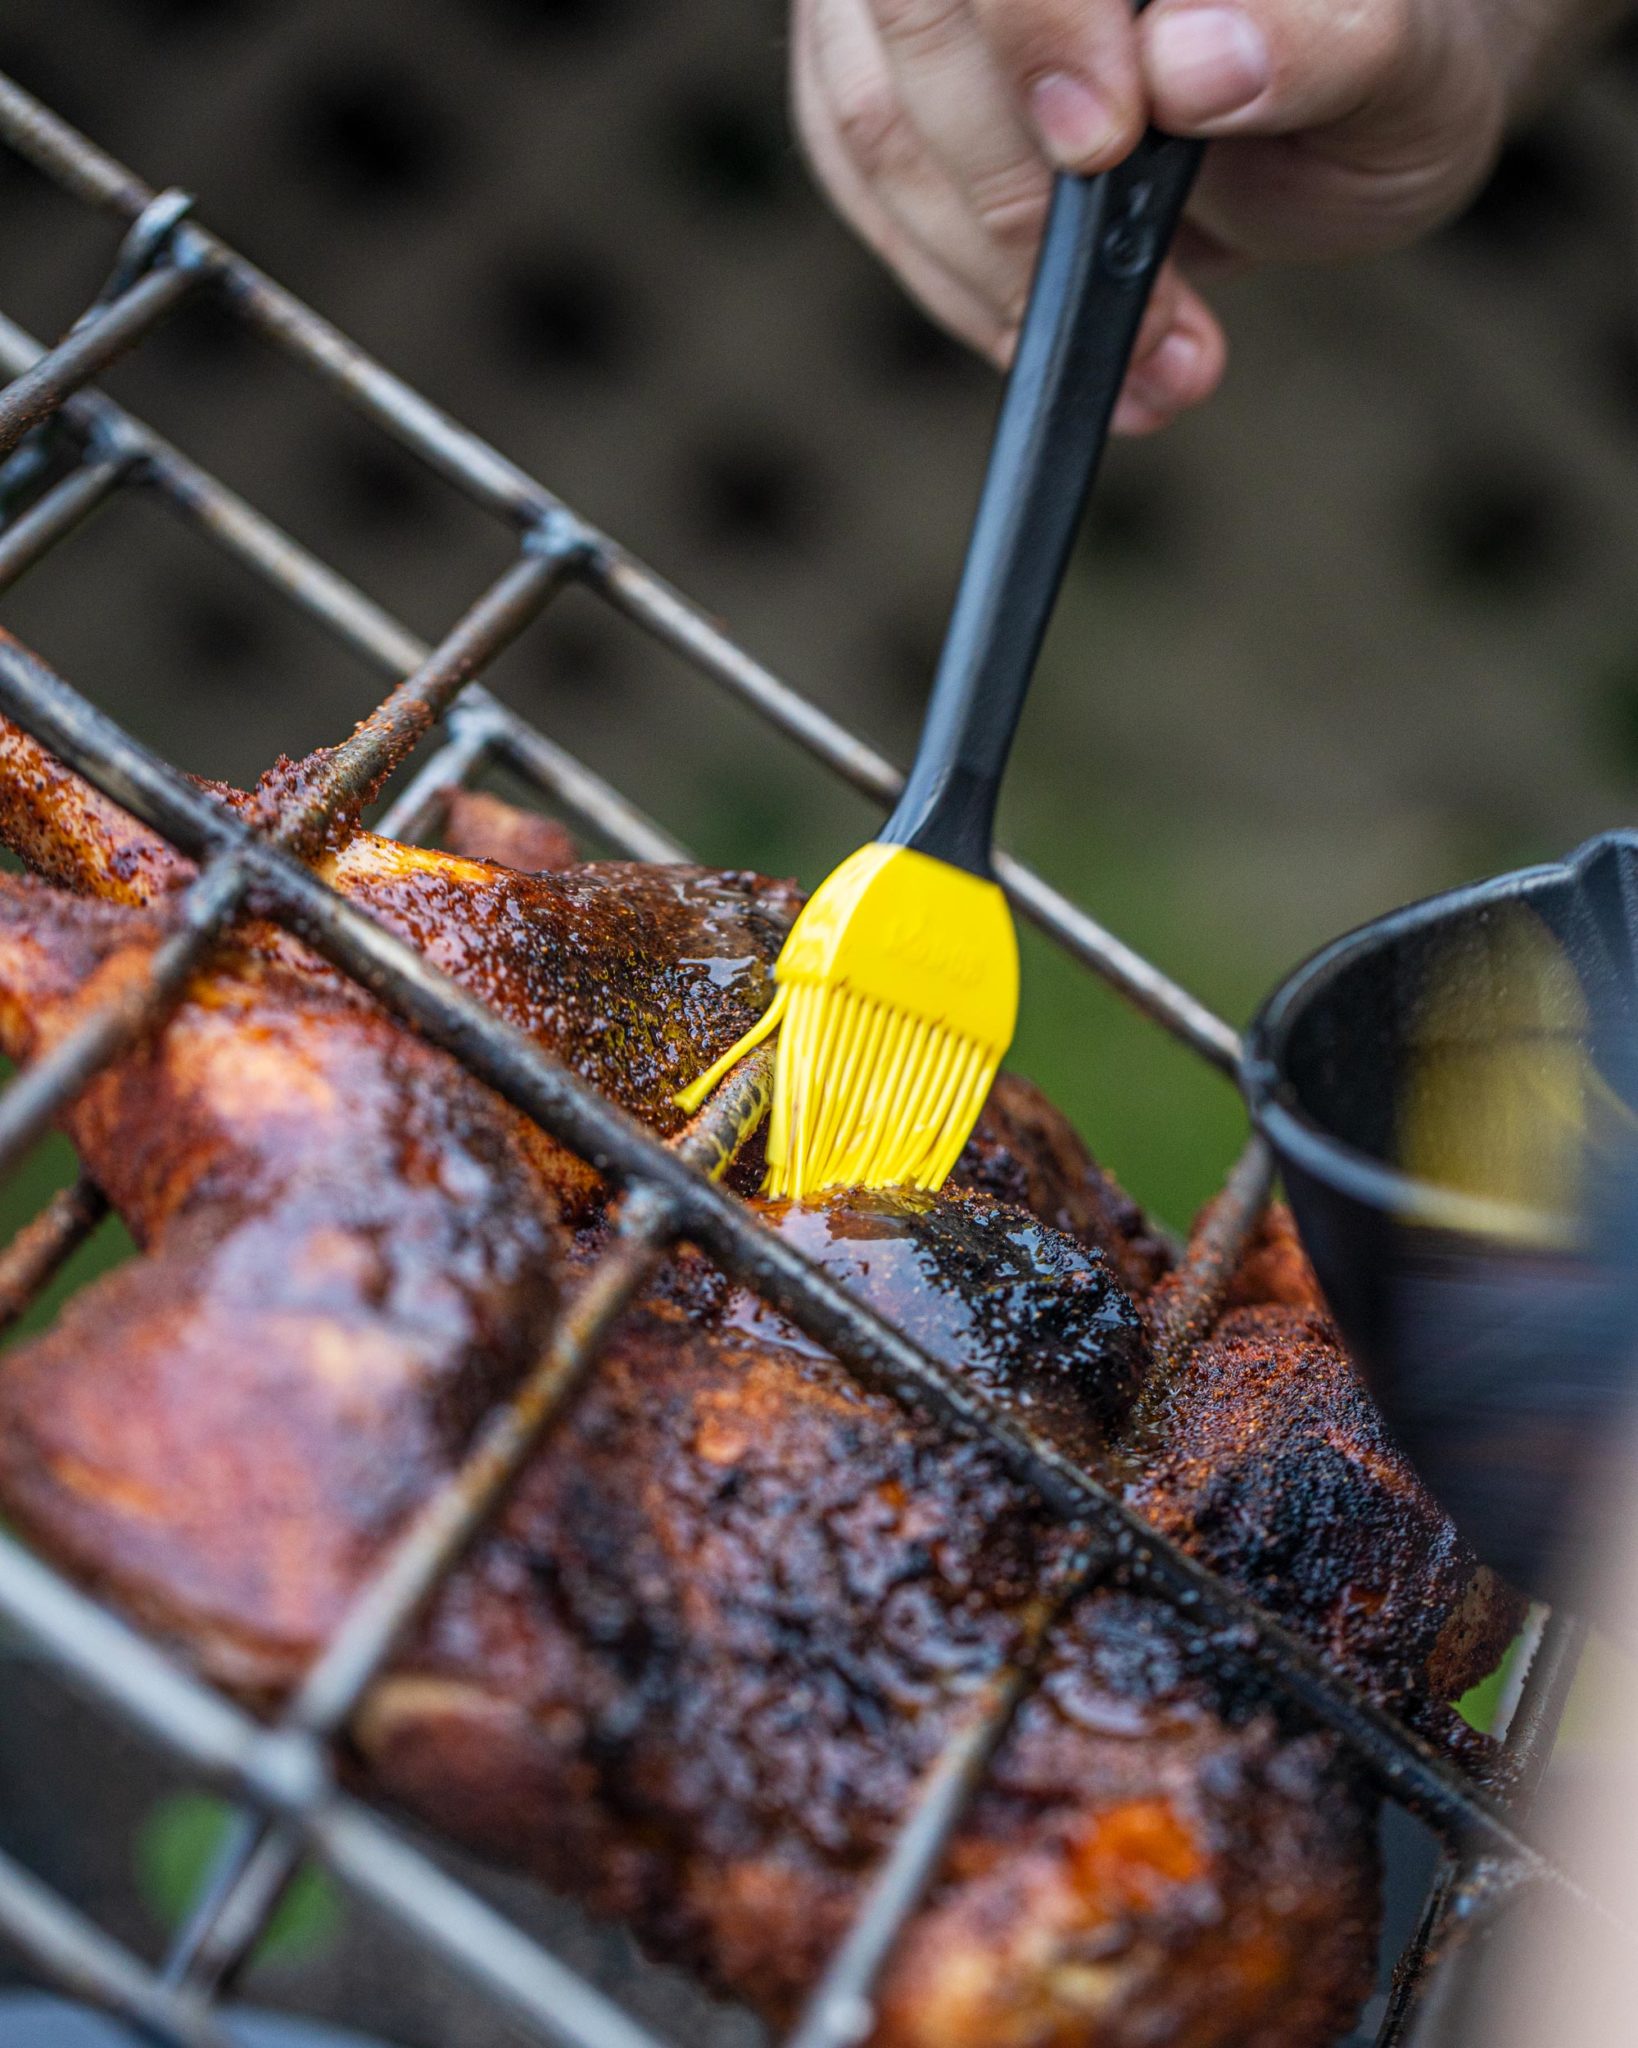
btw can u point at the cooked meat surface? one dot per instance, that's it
(1027, 1315)
(634, 975)
(349, 1252)
(1026, 1152)
(1267, 1437)
(484, 828)
(727, 1623)
(737, 1603)
(1273, 1271)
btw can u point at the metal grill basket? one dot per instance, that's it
(280, 1776)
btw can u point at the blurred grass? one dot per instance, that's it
(1478, 1705)
(174, 1850)
(50, 1166)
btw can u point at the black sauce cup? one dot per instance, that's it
(1498, 1336)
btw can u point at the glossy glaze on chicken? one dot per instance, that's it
(737, 1602)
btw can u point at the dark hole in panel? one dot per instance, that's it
(561, 21)
(373, 485)
(750, 490)
(1495, 533)
(1534, 194)
(372, 136)
(1128, 519)
(214, 634)
(726, 149)
(584, 652)
(204, 337)
(1621, 369)
(567, 311)
(194, 14)
(901, 345)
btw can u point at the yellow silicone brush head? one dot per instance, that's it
(898, 994)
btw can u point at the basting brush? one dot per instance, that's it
(897, 988)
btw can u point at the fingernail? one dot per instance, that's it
(1133, 418)
(1073, 123)
(1175, 363)
(1159, 380)
(1206, 63)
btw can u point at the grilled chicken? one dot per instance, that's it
(630, 973)
(1265, 1438)
(737, 1603)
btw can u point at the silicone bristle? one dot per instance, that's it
(898, 992)
(893, 1158)
(877, 1090)
(858, 1037)
(873, 1097)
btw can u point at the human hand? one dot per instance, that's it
(1338, 127)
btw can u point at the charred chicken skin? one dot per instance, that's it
(736, 1603)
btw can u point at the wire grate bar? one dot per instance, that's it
(344, 610)
(588, 799)
(1145, 987)
(356, 769)
(671, 617)
(139, 996)
(80, 167)
(1534, 1723)
(256, 1867)
(420, 808)
(44, 1245)
(88, 350)
(445, 1527)
(65, 506)
(442, 1531)
(23, 469)
(621, 1149)
(454, 1922)
(1453, 1912)
(69, 1950)
(1195, 1293)
(471, 463)
(111, 1663)
(113, 1019)
(841, 2012)
(668, 1189)
(225, 518)
(249, 1875)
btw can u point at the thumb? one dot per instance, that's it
(1276, 67)
(1347, 125)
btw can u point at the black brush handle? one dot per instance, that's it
(1106, 238)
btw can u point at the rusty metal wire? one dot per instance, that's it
(281, 1774)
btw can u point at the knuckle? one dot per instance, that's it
(1011, 207)
(874, 131)
(920, 27)
(1380, 38)
(1032, 39)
